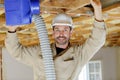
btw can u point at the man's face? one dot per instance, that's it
(62, 34)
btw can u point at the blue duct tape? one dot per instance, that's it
(19, 12)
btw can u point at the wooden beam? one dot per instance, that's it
(114, 16)
(1, 1)
(1, 63)
(81, 18)
(83, 11)
(2, 18)
(111, 7)
(65, 4)
(53, 4)
(78, 4)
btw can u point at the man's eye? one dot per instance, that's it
(56, 30)
(65, 30)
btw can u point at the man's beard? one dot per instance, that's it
(63, 41)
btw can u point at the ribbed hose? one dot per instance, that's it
(45, 47)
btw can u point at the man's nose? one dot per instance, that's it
(61, 33)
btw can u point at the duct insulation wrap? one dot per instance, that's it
(45, 47)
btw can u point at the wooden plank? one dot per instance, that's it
(1, 1)
(111, 7)
(2, 17)
(0, 63)
(117, 16)
(68, 4)
(53, 4)
(78, 4)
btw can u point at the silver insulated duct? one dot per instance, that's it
(45, 47)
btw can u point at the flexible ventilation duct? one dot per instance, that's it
(45, 47)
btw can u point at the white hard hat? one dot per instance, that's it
(62, 19)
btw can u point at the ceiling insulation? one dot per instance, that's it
(82, 14)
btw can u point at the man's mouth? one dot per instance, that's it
(61, 38)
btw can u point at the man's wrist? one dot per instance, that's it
(99, 20)
(12, 31)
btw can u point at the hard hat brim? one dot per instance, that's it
(62, 24)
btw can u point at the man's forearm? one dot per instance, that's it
(97, 6)
(98, 14)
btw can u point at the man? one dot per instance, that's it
(68, 59)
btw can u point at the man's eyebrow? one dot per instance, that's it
(55, 28)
